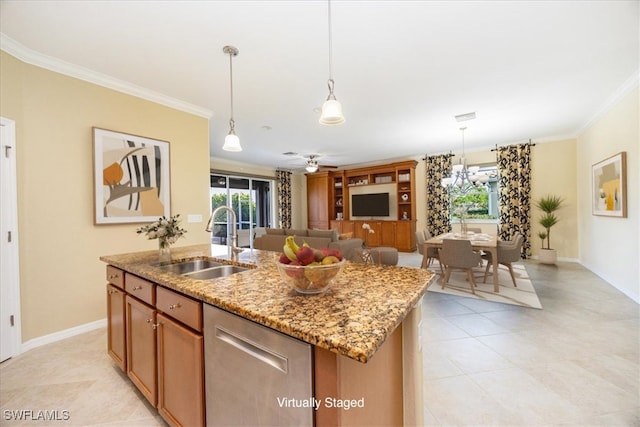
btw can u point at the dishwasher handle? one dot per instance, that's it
(252, 349)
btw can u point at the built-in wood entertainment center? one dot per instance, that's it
(329, 198)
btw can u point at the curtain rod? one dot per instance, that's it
(526, 143)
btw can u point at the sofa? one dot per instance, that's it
(273, 240)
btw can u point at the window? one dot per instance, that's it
(480, 203)
(250, 198)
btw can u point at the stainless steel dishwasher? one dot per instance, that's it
(255, 376)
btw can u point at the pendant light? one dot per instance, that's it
(331, 109)
(231, 141)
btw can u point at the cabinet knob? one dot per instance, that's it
(174, 306)
(113, 276)
(135, 288)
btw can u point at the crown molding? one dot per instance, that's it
(626, 88)
(32, 57)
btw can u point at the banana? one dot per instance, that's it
(292, 244)
(289, 253)
(290, 248)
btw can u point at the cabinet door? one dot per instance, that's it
(318, 200)
(180, 374)
(388, 234)
(141, 347)
(406, 236)
(116, 341)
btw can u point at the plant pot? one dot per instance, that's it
(547, 256)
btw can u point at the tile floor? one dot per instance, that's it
(576, 362)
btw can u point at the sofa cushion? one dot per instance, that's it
(275, 231)
(294, 232)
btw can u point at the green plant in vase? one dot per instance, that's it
(548, 205)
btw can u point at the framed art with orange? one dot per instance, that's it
(609, 195)
(131, 178)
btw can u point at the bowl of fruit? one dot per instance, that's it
(308, 270)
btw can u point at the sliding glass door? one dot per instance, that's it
(250, 198)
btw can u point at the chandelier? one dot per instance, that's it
(465, 177)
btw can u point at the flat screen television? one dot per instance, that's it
(374, 204)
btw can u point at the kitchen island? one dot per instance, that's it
(364, 330)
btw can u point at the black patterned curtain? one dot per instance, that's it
(438, 216)
(514, 194)
(284, 198)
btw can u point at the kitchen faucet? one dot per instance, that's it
(235, 250)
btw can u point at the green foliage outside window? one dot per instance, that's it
(237, 199)
(476, 202)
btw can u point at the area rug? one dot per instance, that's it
(524, 295)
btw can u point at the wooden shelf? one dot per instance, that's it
(328, 197)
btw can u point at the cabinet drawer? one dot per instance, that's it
(115, 276)
(180, 307)
(140, 288)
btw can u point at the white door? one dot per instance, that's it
(10, 334)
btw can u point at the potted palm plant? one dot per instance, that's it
(548, 205)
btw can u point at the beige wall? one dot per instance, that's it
(608, 245)
(553, 172)
(62, 279)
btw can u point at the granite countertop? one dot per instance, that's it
(353, 318)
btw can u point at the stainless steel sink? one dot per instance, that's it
(215, 272)
(190, 266)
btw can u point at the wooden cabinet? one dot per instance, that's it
(180, 373)
(318, 192)
(406, 236)
(328, 200)
(116, 342)
(155, 335)
(141, 347)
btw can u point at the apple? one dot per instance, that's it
(336, 253)
(284, 259)
(305, 255)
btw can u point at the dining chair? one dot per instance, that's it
(432, 253)
(459, 255)
(508, 252)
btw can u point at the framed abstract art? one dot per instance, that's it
(609, 195)
(131, 178)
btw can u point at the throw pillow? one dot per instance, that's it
(345, 236)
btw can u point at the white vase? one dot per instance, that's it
(547, 256)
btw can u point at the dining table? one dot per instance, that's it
(479, 242)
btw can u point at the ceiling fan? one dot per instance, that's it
(311, 162)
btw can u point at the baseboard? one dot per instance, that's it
(563, 259)
(67, 333)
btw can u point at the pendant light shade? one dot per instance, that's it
(331, 109)
(231, 141)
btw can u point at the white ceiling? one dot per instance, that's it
(402, 69)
